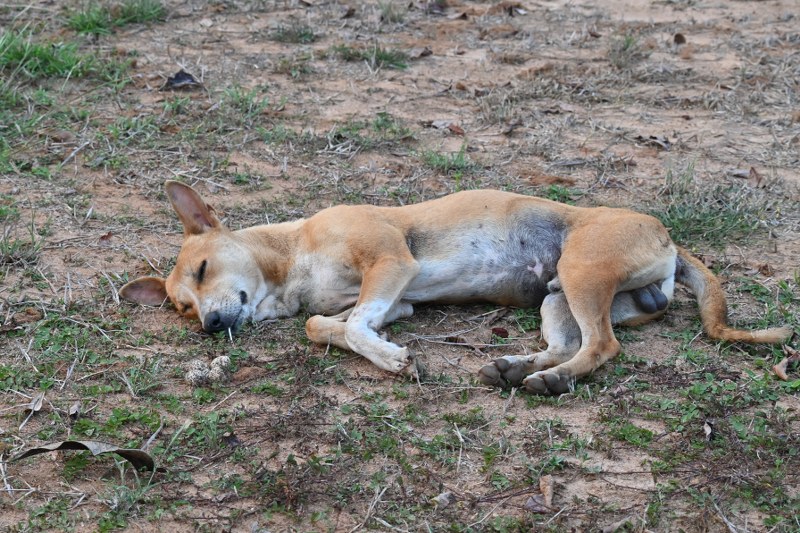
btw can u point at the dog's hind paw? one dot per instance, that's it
(507, 371)
(547, 383)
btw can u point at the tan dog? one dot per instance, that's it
(362, 267)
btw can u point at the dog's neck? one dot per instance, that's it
(273, 248)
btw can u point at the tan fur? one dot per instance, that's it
(359, 268)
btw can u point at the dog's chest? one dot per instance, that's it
(326, 286)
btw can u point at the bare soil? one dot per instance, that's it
(595, 104)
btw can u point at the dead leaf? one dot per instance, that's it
(546, 487)
(105, 238)
(449, 125)
(434, 8)
(628, 521)
(754, 179)
(656, 141)
(170, 128)
(708, 429)
(511, 126)
(509, 8)
(36, 403)
(540, 178)
(780, 369)
(75, 410)
(181, 80)
(420, 51)
(137, 458)
(765, 270)
(542, 503)
(456, 129)
(500, 332)
(443, 500)
(707, 260)
(535, 504)
(792, 356)
(458, 16)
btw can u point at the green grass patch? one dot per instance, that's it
(294, 34)
(454, 164)
(21, 55)
(375, 56)
(102, 19)
(710, 214)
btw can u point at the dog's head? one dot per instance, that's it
(215, 280)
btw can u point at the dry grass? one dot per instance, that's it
(303, 106)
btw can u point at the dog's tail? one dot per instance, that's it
(713, 308)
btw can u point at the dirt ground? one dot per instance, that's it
(300, 105)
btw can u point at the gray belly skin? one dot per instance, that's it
(508, 267)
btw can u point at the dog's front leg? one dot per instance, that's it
(382, 288)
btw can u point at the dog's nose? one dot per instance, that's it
(213, 322)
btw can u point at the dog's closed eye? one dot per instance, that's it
(201, 272)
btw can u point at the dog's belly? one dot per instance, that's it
(512, 269)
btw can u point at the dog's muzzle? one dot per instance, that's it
(215, 321)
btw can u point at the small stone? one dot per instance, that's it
(196, 372)
(217, 374)
(223, 362)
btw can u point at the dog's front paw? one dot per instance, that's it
(548, 383)
(414, 369)
(401, 361)
(507, 371)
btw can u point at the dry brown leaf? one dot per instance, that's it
(535, 504)
(456, 129)
(754, 179)
(105, 239)
(137, 458)
(420, 51)
(443, 500)
(540, 178)
(36, 403)
(780, 369)
(546, 487)
(792, 356)
(500, 332)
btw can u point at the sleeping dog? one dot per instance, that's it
(358, 268)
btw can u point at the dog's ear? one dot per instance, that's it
(197, 217)
(145, 291)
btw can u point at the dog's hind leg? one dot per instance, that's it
(330, 330)
(563, 335)
(591, 276)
